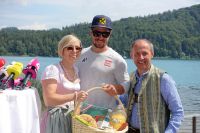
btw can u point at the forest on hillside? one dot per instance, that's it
(175, 34)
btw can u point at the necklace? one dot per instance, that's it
(68, 76)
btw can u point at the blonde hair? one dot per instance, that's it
(66, 41)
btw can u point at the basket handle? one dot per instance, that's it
(78, 103)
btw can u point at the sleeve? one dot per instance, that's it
(50, 72)
(172, 98)
(121, 74)
(124, 99)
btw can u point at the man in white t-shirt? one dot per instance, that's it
(100, 65)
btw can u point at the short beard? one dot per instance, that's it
(97, 46)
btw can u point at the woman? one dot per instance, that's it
(60, 84)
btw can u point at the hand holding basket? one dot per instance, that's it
(79, 127)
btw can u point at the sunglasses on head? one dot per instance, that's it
(71, 48)
(98, 34)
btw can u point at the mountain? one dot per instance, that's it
(175, 34)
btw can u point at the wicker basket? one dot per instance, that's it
(79, 127)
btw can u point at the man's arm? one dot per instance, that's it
(172, 99)
(122, 77)
(114, 89)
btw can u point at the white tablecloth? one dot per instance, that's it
(19, 111)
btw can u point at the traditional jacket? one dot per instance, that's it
(152, 110)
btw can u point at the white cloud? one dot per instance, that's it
(18, 2)
(35, 26)
(3, 26)
(23, 2)
(59, 13)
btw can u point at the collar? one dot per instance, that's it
(142, 76)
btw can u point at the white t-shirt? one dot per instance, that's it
(98, 68)
(64, 86)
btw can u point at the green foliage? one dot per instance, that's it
(37, 84)
(175, 34)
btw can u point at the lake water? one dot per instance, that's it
(186, 73)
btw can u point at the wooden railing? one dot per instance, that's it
(191, 124)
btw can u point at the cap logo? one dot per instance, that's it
(102, 21)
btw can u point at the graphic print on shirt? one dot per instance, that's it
(84, 59)
(108, 63)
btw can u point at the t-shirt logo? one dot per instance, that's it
(84, 59)
(108, 63)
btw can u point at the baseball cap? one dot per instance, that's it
(101, 21)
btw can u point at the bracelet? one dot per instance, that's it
(75, 98)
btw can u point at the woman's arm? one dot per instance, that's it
(51, 98)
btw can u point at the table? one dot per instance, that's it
(20, 111)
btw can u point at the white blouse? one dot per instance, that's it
(64, 86)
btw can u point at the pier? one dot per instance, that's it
(191, 124)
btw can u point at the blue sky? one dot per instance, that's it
(46, 14)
